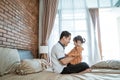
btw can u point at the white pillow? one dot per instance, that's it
(101, 64)
(9, 60)
(113, 64)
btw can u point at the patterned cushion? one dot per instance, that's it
(9, 60)
(28, 66)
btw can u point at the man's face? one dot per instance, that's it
(67, 40)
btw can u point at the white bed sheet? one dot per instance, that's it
(96, 74)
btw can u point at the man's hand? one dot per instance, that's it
(66, 60)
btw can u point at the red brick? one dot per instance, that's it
(3, 15)
(14, 38)
(1, 26)
(2, 38)
(1, 10)
(7, 28)
(10, 26)
(1, 42)
(8, 15)
(19, 24)
(17, 42)
(6, 43)
(13, 44)
(6, 36)
(7, 21)
(1, 34)
(3, 31)
(1, 45)
(10, 40)
(10, 33)
(1, 18)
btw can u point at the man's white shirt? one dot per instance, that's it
(57, 53)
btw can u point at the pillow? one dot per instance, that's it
(114, 64)
(101, 64)
(110, 64)
(29, 66)
(9, 60)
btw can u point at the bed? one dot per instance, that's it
(104, 70)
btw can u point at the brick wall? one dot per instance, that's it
(19, 24)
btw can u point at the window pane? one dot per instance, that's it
(67, 25)
(66, 4)
(105, 3)
(80, 25)
(67, 14)
(92, 3)
(79, 14)
(79, 4)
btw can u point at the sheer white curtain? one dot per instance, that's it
(95, 37)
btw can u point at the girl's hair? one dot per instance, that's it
(79, 38)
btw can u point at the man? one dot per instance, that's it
(60, 60)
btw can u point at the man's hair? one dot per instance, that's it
(65, 34)
(79, 38)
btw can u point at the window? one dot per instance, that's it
(72, 16)
(73, 19)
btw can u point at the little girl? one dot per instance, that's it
(77, 53)
(77, 50)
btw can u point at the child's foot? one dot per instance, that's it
(87, 70)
